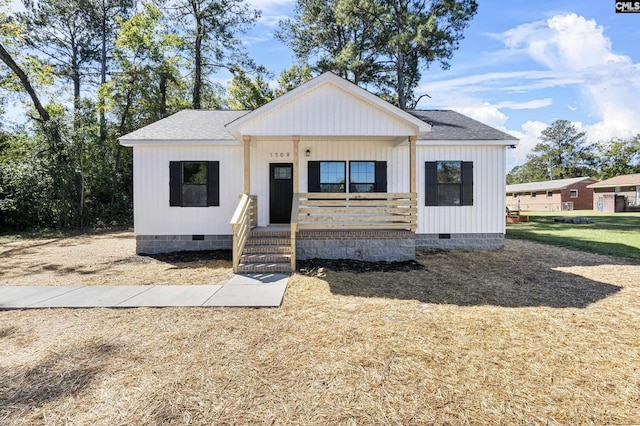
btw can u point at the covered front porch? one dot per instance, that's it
(359, 226)
(334, 163)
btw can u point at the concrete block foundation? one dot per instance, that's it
(370, 246)
(154, 244)
(487, 241)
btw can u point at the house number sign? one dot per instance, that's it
(280, 154)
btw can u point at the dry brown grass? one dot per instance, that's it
(526, 335)
(102, 259)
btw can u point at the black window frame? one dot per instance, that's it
(379, 176)
(176, 183)
(432, 184)
(314, 175)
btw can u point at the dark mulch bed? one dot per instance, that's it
(304, 266)
(192, 256)
(311, 266)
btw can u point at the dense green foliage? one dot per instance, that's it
(89, 71)
(379, 44)
(563, 153)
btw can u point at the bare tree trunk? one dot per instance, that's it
(197, 78)
(162, 86)
(8, 60)
(402, 95)
(103, 72)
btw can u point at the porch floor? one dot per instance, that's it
(243, 290)
(274, 227)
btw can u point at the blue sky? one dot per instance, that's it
(521, 66)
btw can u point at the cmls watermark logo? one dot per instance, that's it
(628, 7)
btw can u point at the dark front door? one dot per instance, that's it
(280, 192)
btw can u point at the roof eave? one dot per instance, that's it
(193, 142)
(468, 142)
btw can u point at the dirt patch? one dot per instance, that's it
(105, 259)
(530, 334)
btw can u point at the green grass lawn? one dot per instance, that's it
(616, 234)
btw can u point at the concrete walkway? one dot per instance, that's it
(246, 290)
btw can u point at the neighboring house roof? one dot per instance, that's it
(451, 125)
(622, 180)
(188, 124)
(550, 185)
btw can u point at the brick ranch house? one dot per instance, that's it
(327, 170)
(618, 194)
(551, 195)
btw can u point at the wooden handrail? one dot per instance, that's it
(294, 228)
(244, 218)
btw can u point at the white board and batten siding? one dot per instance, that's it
(154, 216)
(152, 213)
(328, 112)
(487, 213)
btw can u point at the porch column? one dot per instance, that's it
(412, 164)
(296, 159)
(247, 164)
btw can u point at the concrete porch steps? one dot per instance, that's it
(267, 250)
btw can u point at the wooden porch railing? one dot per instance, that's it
(396, 211)
(244, 218)
(294, 228)
(346, 211)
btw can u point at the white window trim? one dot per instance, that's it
(549, 194)
(571, 191)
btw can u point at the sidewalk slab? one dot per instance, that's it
(94, 297)
(249, 295)
(250, 290)
(17, 297)
(166, 296)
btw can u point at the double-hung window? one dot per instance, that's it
(194, 183)
(449, 183)
(363, 176)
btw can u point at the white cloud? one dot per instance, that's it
(577, 46)
(485, 113)
(572, 51)
(532, 104)
(529, 136)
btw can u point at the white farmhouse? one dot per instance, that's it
(327, 170)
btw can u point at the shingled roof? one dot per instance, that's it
(622, 180)
(451, 125)
(549, 185)
(188, 125)
(209, 125)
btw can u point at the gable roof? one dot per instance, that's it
(550, 185)
(186, 125)
(338, 108)
(451, 125)
(223, 126)
(622, 180)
